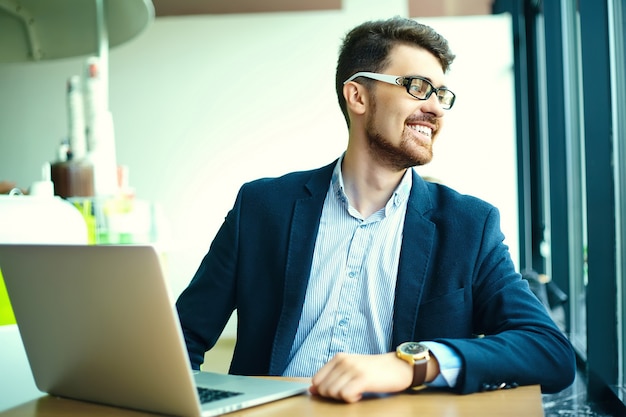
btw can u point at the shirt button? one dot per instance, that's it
(352, 274)
(343, 322)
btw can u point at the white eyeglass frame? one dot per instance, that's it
(402, 82)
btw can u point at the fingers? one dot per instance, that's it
(343, 378)
(347, 377)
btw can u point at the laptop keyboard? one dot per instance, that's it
(208, 395)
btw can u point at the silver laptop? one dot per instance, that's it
(98, 325)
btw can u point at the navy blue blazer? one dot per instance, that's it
(456, 285)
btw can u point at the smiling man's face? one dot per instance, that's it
(402, 129)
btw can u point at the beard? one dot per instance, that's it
(407, 154)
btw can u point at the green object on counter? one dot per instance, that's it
(6, 312)
(85, 206)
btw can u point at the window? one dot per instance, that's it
(571, 102)
(617, 34)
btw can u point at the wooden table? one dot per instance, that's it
(518, 402)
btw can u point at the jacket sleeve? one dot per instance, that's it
(207, 303)
(516, 342)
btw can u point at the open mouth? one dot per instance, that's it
(424, 130)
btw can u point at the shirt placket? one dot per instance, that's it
(351, 290)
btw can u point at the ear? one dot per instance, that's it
(357, 97)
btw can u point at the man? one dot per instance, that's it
(331, 270)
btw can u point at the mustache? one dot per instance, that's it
(423, 118)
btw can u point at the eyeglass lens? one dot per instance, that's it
(422, 90)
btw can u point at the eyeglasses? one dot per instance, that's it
(417, 87)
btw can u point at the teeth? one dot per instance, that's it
(422, 129)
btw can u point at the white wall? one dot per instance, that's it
(204, 103)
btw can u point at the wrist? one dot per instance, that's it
(406, 373)
(417, 356)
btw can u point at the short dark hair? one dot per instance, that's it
(367, 47)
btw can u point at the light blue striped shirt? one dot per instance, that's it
(349, 301)
(350, 296)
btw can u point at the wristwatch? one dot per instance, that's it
(417, 355)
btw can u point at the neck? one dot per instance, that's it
(367, 184)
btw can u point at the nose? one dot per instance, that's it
(432, 106)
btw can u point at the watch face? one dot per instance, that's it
(413, 348)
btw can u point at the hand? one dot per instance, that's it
(347, 376)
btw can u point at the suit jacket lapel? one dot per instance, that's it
(304, 228)
(417, 245)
